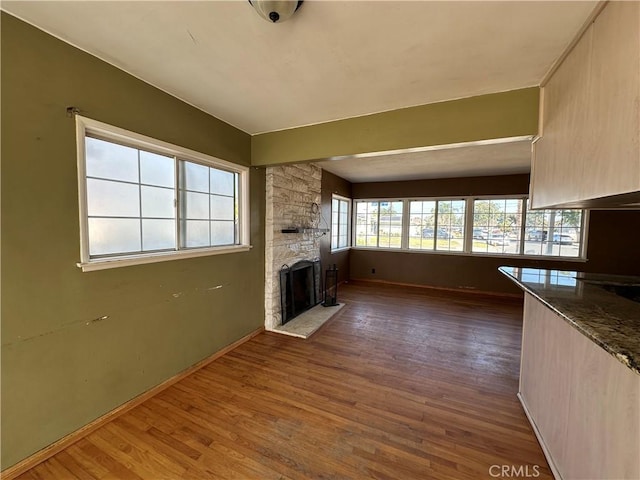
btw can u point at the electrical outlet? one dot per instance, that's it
(373, 270)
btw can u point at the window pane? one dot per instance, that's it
(339, 223)
(222, 233)
(553, 233)
(196, 177)
(450, 225)
(157, 169)
(195, 205)
(112, 199)
(344, 212)
(110, 160)
(222, 208)
(114, 235)
(158, 234)
(568, 232)
(497, 226)
(390, 229)
(196, 233)
(366, 224)
(335, 212)
(222, 182)
(157, 202)
(422, 225)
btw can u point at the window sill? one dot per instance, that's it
(342, 249)
(116, 262)
(480, 255)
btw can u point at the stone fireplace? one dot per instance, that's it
(299, 288)
(293, 206)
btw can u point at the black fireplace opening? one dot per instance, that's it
(299, 288)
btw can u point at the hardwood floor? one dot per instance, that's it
(402, 384)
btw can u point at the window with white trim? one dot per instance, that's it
(556, 233)
(437, 225)
(340, 217)
(379, 223)
(501, 226)
(497, 225)
(144, 200)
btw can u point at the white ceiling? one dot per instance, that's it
(332, 60)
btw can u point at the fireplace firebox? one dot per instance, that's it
(299, 288)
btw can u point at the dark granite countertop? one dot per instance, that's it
(590, 304)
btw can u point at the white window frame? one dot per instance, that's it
(403, 235)
(335, 196)
(584, 230)
(520, 254)
(468, 236)
(407, 206)
(108, 132)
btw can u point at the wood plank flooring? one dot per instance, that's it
(402, 384)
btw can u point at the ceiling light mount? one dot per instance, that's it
(276, 11)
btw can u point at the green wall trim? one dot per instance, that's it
(497, 115)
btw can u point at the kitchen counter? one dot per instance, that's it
(590, 305)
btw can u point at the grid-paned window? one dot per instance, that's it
(144, 198)
(436, 224)
(450, 232)
(208, 206)
(497, 225)
(130, 199)
(422, 224)
(340, 215)
(492, 225)
(379, 224)
(554, 233)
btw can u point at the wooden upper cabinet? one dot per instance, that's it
(589, 145)
(561, 149)
(614, 166)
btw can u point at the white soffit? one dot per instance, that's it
(331, 60)
(500, 157)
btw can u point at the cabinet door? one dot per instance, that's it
(558, 156)
(613, 166)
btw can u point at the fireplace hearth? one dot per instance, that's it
(299, 288)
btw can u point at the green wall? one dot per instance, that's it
(497, 115)
(61, 369)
